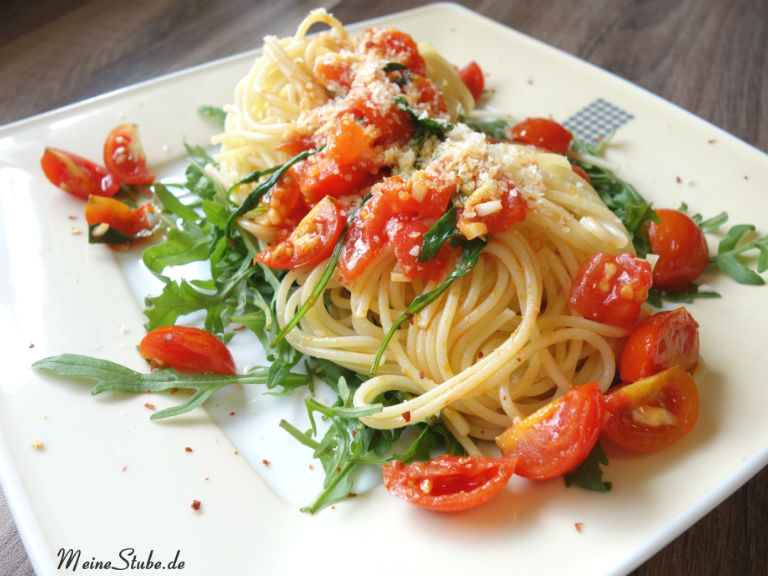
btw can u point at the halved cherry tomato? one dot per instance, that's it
(611, 288)
(558, 437)
(124, 156)
(311, 242)
(116, 214)
(544, 133)
(654, 412)
(666, 339)
(448, 483)
(472, 76)
(187, 350)
(681, 247)
(77, 175)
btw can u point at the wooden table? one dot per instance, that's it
(707, 56)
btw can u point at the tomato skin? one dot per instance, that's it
(187, 350)
(395, 46)
(681, 247)
(558, 437)
(583, 173)
(654, 412)
(666, 339)
(76, 175)
(406, 235)
(611, 288)
(311, 242)
(473, 78)
(448, 483)
(124, 156)
(543, 133)
(118, 215)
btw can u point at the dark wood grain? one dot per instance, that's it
(707, 56)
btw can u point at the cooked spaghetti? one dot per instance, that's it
(379, 119)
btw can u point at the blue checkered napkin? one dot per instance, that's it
(597, 120)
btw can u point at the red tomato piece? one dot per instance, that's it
(543, 133)
(611, 288)
(666, 339)
(558, 437)
(652, 413)
(118, 215)
(392, 198)
(473, 78)
(448, 483)
(187, 350)
(124, 156)
(513, 209)
(583, 173)
(681, 247)
(77, 175)
(311, 242)
(395, 46)
(343, 167)
(406, 236)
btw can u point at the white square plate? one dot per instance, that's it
(107, 479)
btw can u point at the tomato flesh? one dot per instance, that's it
(652, 413)
(406, 235)
(76, 175)
(681, 247)
(448, 483)
(543, 133)
(666, 339)
(395, 46)
(187, 350)
(394, 199)
(558, 437)
(473, 79)
(311, 242)
(611, 288)
(124, 156)
(118, 215)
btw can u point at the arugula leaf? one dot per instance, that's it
(589, 474)
(440, 232)
(732, 246)
(468, 259)
(214, 114)
(113, 376)
(496, 128)
(103, 233)
(275, 173)
(425, 126)
(625, 201)
(687, 295)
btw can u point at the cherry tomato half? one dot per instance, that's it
(556, 438)
(681, 247)
(77, 175)
(611, 288)
(124, 156)
(543, 133)
(472, 76)
(118, 215)
(448, 483)
(311, 242)
(654, 412)
(666, 339)
(187, 350)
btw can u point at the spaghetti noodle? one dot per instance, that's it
(501, 340)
